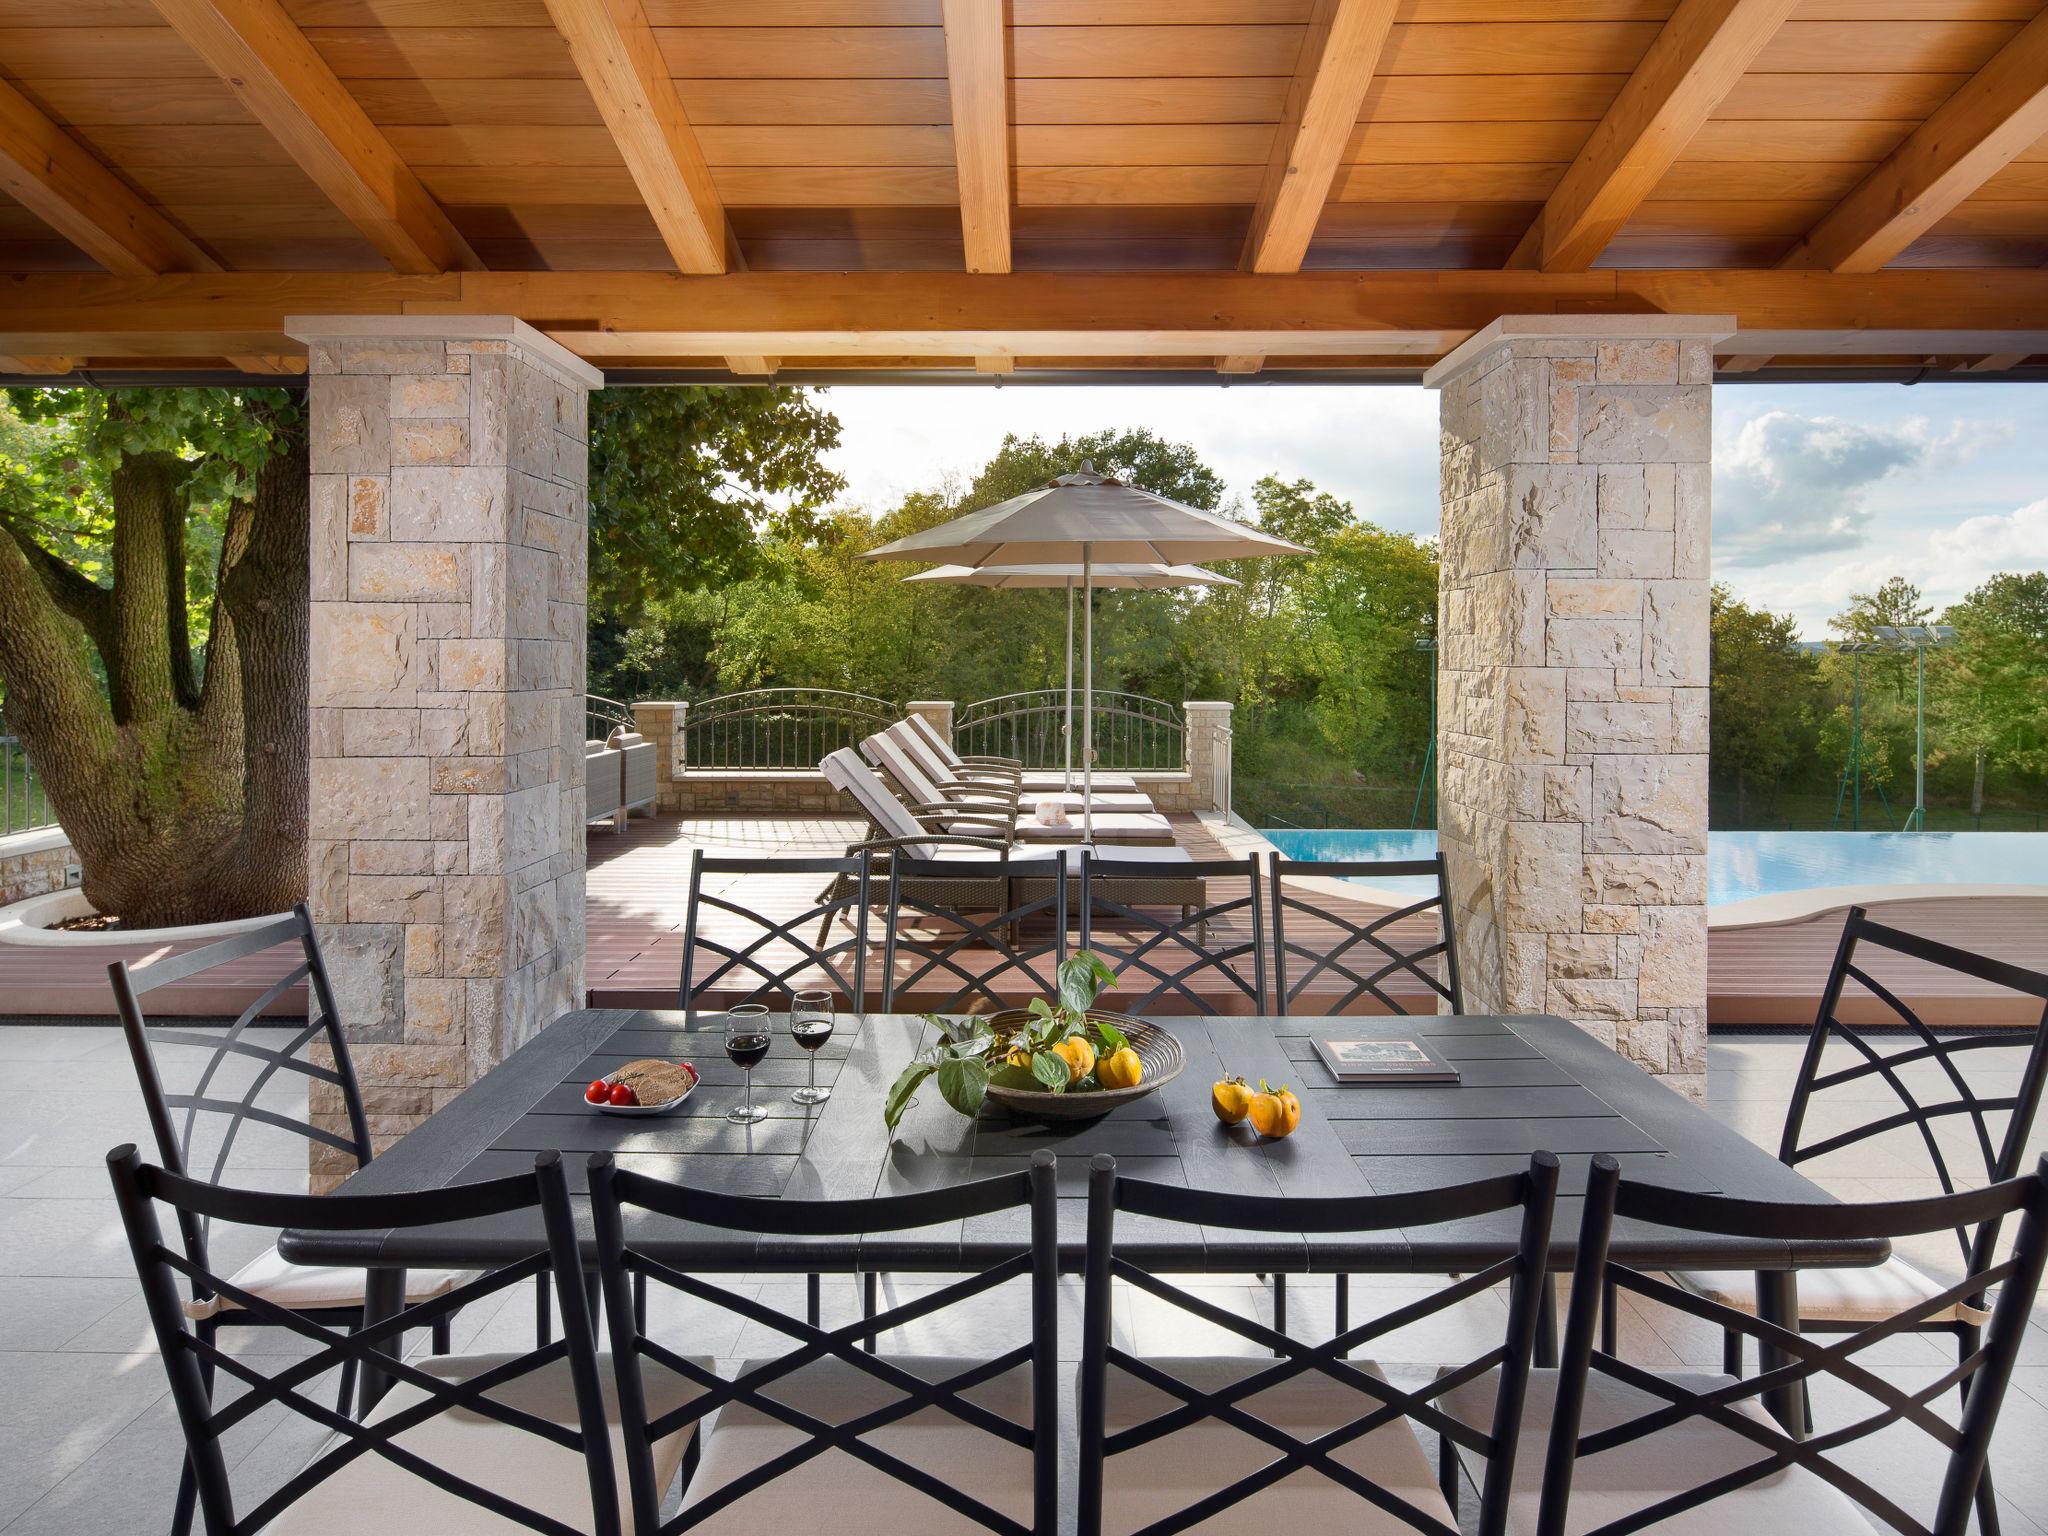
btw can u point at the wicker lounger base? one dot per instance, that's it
(982, 894)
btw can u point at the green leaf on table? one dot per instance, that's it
(1050, 1070)
(1082, 978)
(900, 1092)
(1113, 1039)
(1015, 1078)
(963, 1083)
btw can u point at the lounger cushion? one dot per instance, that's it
(1116, 827)
(834, 1494)
(312, 1287)
(1156, 1479)
(1619, 1482)
(373, 1494)
(1867, 1295)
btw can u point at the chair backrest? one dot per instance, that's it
(625, 1203)
(927, 757)
(1160, 929)
(417, 1392)
(751, 942)
(1786, 1363)
(1929, 1075)
(959, 930)
(890, 755)
(1379, 1403)
(844, 771)
(935, 738)
(239, 1062)
(1348, 949)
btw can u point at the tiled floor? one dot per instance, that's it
(89, 1445)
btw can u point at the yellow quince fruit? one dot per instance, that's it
(1079, 1056)
(1120, 1069)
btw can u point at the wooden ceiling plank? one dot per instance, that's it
(1983, 127)
(753, 367)
(1236, 364)
(621, 62)
(1743, 363)
(995, 367)
(1696, 60)
(273, 69)
(977, 81)
(37, 367)
(1996, 362)
(270, 364)
(56, 178)
(1339, 54)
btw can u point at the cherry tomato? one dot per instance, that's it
(599, 1092)
(622, 1093)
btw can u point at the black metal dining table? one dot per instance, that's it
(1526, 1083)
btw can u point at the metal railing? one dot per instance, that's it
(601, 716)
(24, 805)
(777, 728)
(1133, 733)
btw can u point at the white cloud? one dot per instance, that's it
(1787, 485)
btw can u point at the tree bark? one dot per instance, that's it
(1977, 785)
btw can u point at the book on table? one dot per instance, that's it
(1383, 1055)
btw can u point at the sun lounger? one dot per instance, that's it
(941, 774)
(1122, 826)
(1026, 779)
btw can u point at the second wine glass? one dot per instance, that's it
(746, 1043)
(810, 1026)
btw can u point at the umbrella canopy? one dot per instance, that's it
(1141, 578)
(1119, 524)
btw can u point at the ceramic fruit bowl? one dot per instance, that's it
(1160, 1054)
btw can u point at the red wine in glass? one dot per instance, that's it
(810, 1025)
(746, 1043)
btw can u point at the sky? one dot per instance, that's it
(1820, 490)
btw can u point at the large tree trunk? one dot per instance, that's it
(186, 803)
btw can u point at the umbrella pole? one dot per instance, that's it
(1067, 730)
(1088, 693)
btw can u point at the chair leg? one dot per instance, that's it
(814, 1300)
(1447, 1472)
(1546, 1326)
(867, 1305)
(543, 1312)
(442, 1344)
(1731, 1352)
(1279, 1305)
(1343, 1307)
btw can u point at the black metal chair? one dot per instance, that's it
(1352, 954)
(1628, 1448)
(1318, 1439)
(1166, 947)
(519, 1438)
(762, 957)
(957, 929)
(825, 1427)
(328, 1296)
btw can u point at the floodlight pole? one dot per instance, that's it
(1067, 725)
(1917, 822)
(1856, 748)
(1088, 692)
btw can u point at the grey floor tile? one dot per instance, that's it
(53, 1417)
(39, 1312)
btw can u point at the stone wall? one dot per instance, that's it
(32, 863)
(447, 802)
(1573, 675)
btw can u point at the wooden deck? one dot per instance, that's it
(638, 890)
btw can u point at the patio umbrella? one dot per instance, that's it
(1086, 517)
(1137, 578)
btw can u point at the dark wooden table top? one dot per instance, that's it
(1527, 1083)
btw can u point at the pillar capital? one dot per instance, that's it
(361, 331)
(1575, 336)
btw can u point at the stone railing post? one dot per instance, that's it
(446, 803)
(661, 721)
(938, 711)
(1573, 673)
(1208, 753)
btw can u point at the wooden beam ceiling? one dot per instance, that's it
(57, 179)
(616, 53)
(977, 80)
(1108, 318)
(1698, 57)
(2000, 112)
(277, 74)
(1339, 53)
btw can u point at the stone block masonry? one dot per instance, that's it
(1573, 674)
(448, 582)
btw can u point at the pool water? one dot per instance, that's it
(1745, 864)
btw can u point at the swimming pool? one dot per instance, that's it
(1742, 865)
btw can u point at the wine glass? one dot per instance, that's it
(746, 1042)
(810, 1026)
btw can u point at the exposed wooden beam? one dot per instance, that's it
(57, 179)
(1240, 362)
(995, 367)
(1996, 362)
(978, 81)
(1339, 53)
(620, 61)
(276, 73)
(268, 363)
(36, 367)
(1746, 363)
(753, 367)
(921, 315)
(2000, 111)
(1702, 51)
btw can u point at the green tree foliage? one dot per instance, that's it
(1765, 686)
(1989, 691)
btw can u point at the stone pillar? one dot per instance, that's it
(1573, 673)
(1208, 751)
(447, 679)
(938, 711)
(661, 722)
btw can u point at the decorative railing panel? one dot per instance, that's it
(779, 728)
(24, 805)
(601, 716)
(1133, 733)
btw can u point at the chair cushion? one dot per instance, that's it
(1616, 1483)
(837, 1494)
(310, 1287)
(1112, 827)
(373, 1494)
(1114, 783)
(1867, 1295)
(1156, 1479)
